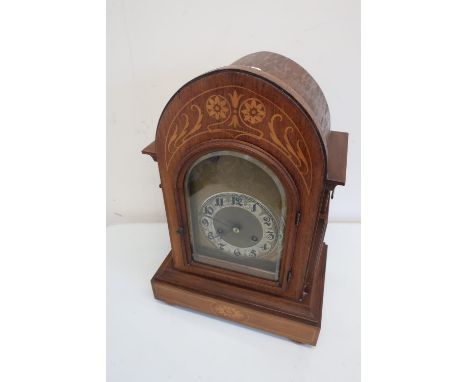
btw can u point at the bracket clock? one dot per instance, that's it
(247, 164)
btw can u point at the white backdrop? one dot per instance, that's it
(154, 47)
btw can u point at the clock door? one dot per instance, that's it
(237, 212)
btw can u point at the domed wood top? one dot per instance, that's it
(295, 80)
(290, 79)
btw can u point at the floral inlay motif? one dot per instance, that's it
(235, 115)
(229, 312)
(253, 111)
(217, 107)
(235, 98)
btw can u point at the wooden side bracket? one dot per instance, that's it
(150, 150)
(337, 144)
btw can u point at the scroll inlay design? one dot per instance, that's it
(237, 112)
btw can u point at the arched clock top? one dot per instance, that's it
(246, 101)
(237, 112)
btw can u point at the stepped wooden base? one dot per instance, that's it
(168, 289)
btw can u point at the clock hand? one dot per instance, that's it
(220, 221)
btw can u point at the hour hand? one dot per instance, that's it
(219, 221)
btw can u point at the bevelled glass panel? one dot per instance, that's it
(237, 209)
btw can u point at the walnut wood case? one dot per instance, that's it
(292, 136)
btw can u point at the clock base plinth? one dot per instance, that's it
(165, 288)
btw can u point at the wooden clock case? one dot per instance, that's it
(270, 108)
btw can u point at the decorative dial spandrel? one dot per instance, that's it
(237, 209)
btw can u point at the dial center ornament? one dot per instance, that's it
(239, 225)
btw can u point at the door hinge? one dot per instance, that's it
(305, 292)
(298, 217)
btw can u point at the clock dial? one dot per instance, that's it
(239, 224)
(237, 208)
